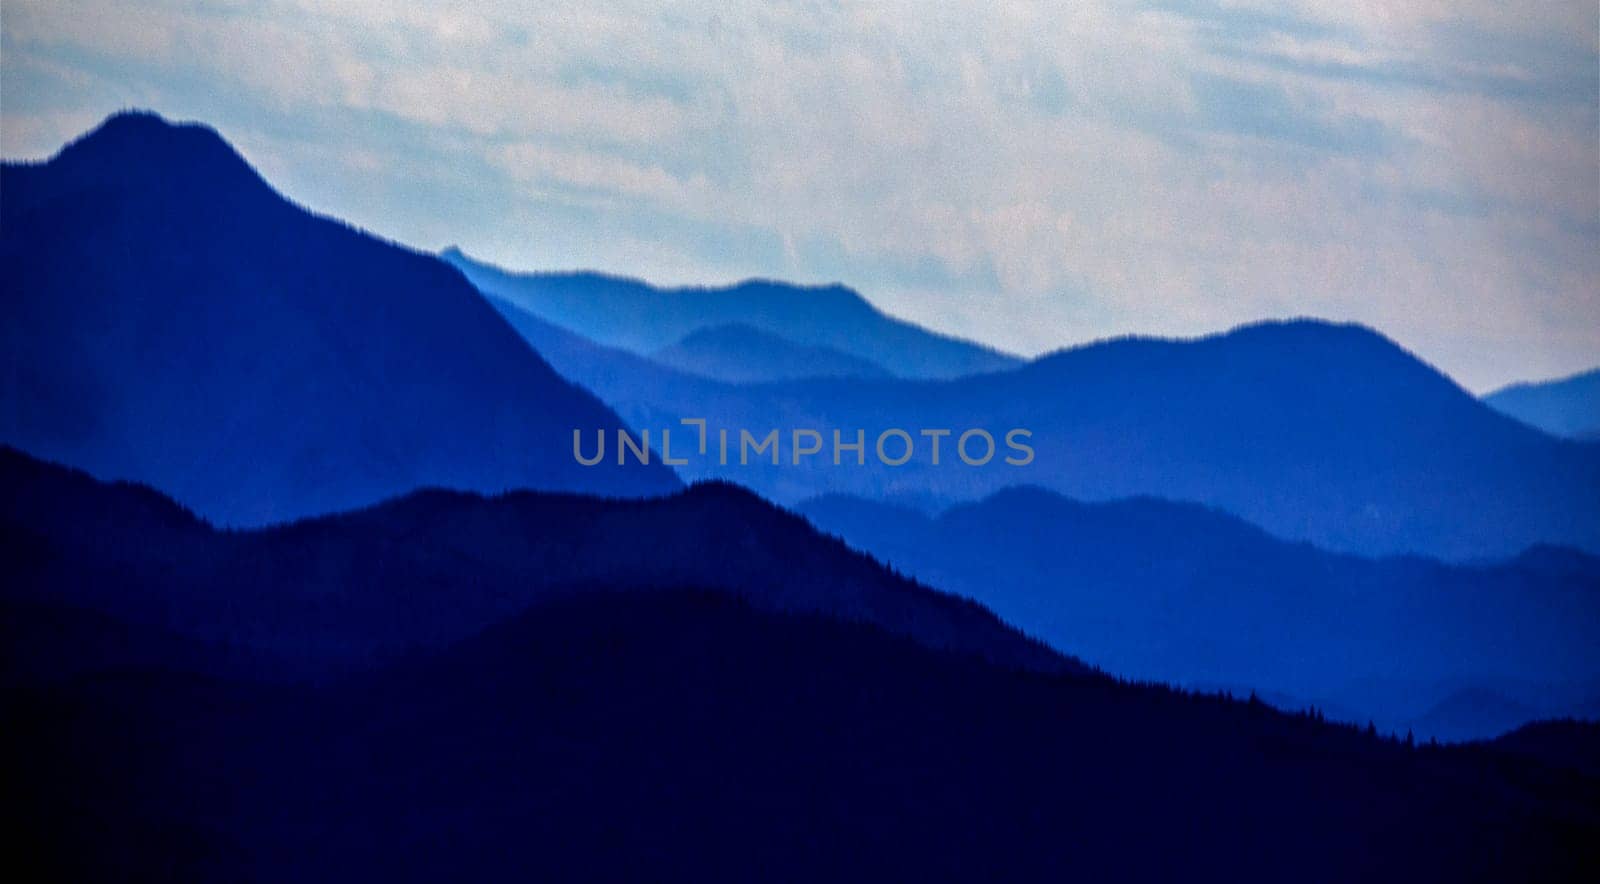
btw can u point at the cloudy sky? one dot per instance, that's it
(1032, 175)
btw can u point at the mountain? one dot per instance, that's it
(1474, 713)
(433, 567)
(1314, 431)
(1567, 407)
(1174, 592)
(739, 353)
(1574, 745)
(643, 319)
(170, 319)
(685, 736)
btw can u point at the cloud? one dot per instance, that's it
(1035, 175)
(1266, 110)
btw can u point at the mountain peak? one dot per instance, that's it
(141, 145)
(1310, 328)
(395, 375)
(143, 121)
(1293, 346)
(145, 130)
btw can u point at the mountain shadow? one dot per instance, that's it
(354, 589)
(1567, 407)
(170, 319)
(643, 319)
(1180, 593)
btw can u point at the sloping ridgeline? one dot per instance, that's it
(433, 567)
(629, 730)
(1313, 431)
(1567, 406)
(643, 319)
(170, 319)
(1183, 594)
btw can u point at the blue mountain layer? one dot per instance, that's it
(168, 318)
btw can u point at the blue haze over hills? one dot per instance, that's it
(636, 316)
(1171, 591)
(1314, 431)
(1175, 592)
(1564, 407)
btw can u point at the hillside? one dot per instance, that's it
(433, 567)
(170, 319)
(1567, 407)
(1179, 593)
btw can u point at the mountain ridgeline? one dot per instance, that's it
(1314, 431)
(300, 578)
(433, 567)
(697, 687)
(684, 736)
(169, 318)
(1567, 407)
(643, 319)
(1180, 593)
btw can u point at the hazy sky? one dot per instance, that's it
(1033, 176)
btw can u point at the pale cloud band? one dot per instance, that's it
(1030, 175)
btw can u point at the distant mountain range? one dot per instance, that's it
(1566, 407)
(173, 320)
(170, 319)
(643, 319)
(1179, 593)
(434, 567)
(740, 353)
(1314, 431)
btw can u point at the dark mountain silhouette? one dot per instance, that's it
(436, 566)
(1474, 713)
(1566, 407)
(1319, 432)
(1179, 593)
(169, 318)
(740, 353)
(641, 318)
(1566, 743)
(687, 736)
